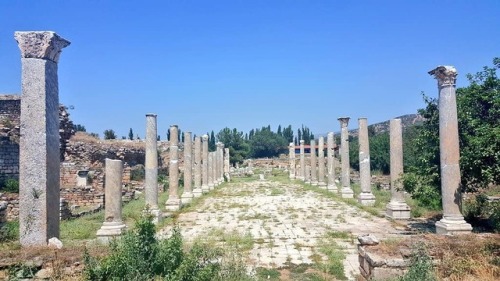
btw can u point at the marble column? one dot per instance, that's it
(453, 221)
(220, 162)
(291, 156)
(346, 190)
(210, 171)
(321, 163)
(332, 186)
(227, 165)
(39, 156)
(314, 163)
(366, 196)
(188, 195)
(397, 207)
(197, 192)
(204, 185)
(151, 168)
(113, 225)
(173, 202)
(302, 161)
(307, 174)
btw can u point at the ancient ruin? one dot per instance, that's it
(366, 196)
(346, 190)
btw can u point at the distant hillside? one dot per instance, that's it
(382, 127)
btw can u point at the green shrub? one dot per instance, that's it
(10, 185)
(137, 173)
(479, 208)
(420, 265)
(9, 231)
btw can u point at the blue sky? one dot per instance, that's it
(206, 65)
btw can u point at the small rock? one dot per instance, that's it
(44, 273)
(368, 239)
(56, 243)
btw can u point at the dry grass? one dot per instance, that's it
(87, 138)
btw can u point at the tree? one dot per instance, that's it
(266, 143)
(239, 149)
(211, 142)
(279, 131)
(79, 128)
(109, 134)
(130, 134)
(288, 133)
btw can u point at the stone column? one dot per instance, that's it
(321, 163)
(197, 167)
(332, 186)
(307, 174)
(220, 162)
(210, 171)
(227, 164)
(314, 163)
(302, 161)
(397, 207)
(151, 168)
(39, 157)
(452, 222)
(366, 196)
(346, 190)
(187, 195)
(173, 202)
(204, 185)
(291, 156)
(113, 225)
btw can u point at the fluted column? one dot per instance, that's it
(204, 185)
(321, 163)
(174, 202)
(452, 222)
(151, 168)
(39, 155)
(397, 207)
(197, 167)
(302, 161)
(188, 195)
(366, 196)
(291, 156)
(314, 163)
(346, 190)
(332, 186)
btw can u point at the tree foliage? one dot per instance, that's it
(109, 134)
(266, 143)
(239, 149)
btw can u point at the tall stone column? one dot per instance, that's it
(332, 186)
(210, 171)
(204, 184)
(307, 174)
(113, 225)
(291, 156)
(227, 164)
(173, 202)
(314, 163)
(397, 207)
(187, 195)
(366, 196)
(452, 222)
(346, 190)
(39, 158)
(151, 168)
(197, 167)
(220, 162)
(302, 161)
(321, 163)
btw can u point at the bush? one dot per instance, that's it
(479, 208)
(137, 173)
(10, 185)
(138, 255)
(420, 266)
(9, 231)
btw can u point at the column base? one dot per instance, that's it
(452, 226)
(398, 211)
(366, 198)
(205, 189)
(109, 231)
(173, 204)
(197, 192)
(227, 177)
(307, 182)
(299, 178)
(314, 183)
(211, 186)
(322, 185)
(186, 198)
(292, 177)
(347, 192)
(332, 188)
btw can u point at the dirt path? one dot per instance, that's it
(284, 220)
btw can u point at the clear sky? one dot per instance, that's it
(205, 65)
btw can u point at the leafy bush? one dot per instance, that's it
(138, 255)
(10, 185)
(479, 208)
(137, 173)
(9, 231)
(420, 266)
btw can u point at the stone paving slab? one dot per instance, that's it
(284, 220)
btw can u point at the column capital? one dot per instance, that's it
(204, 137)
(344, 121)
(151, 115)
(172, 126)
(445, 74)
(45, 45)
(330, 134)
(302, 141)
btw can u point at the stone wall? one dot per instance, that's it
(12, 203)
